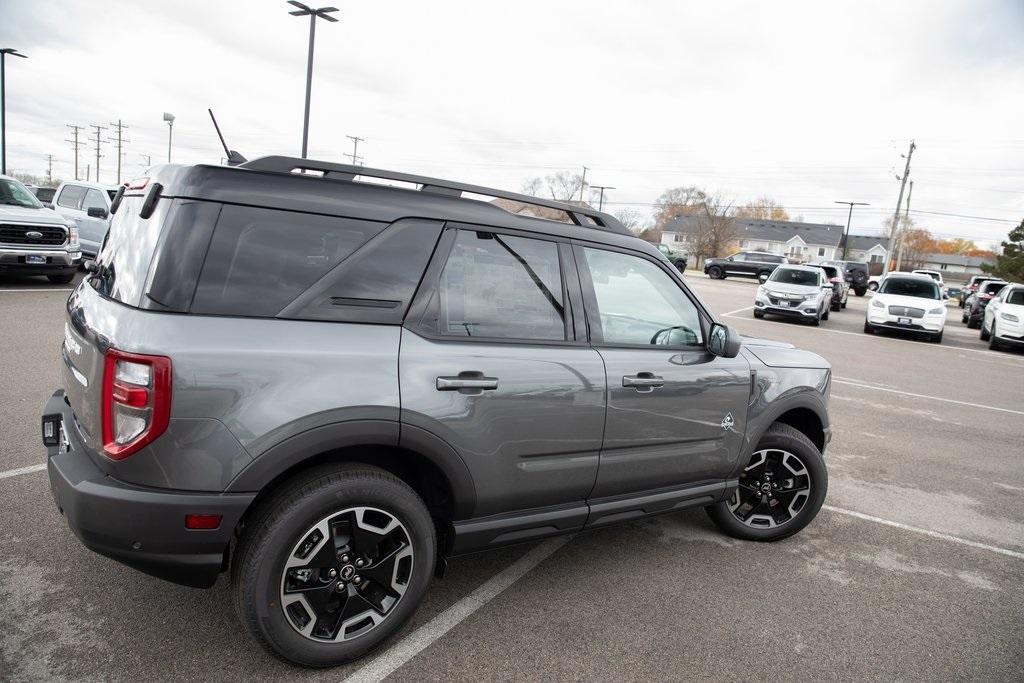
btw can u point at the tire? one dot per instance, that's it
(62, 279)
(971, 323)
(825, 315)
(779, 438)
(873, 286)
(758, 314)
(963, 318)
(837, 306)
(715, 273)
(817, 320)
(861, 291)
(993, 341)
(985, 335)
(868, 328)
(936, 338)
(763, 276)
(352, 497)
(680, 266)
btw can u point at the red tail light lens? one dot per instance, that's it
(202, 522)
(136, 403)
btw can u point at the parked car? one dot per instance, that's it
(755, 264)
(974, 310)
(955, 292)
(329, 386)
(796, 292)
(908, 303)
(1003, 321)
(840, 286)
(856, 273)
(43, 194)
(88, 205)
(678, 258)
(933, 274)
(972, 288)
(35, 240)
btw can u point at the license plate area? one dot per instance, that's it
(904, 321)
(35, 259)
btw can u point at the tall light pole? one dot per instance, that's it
(322, 13)
(846, 234)
(169, 118)
(601, 189)
(3, 104)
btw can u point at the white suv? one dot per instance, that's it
(795, 292)
(910, 303)
(1003, 324)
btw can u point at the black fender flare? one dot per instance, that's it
(808, 398)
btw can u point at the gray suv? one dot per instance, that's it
(328, 386)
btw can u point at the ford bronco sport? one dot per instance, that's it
(326, 386)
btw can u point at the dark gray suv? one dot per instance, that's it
(327, 386)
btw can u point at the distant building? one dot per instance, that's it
(868, 248)
(955, 265)
(800, 242)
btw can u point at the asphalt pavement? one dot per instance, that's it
(913, 571)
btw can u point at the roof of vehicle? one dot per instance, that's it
(928, 271)
(86, 183)
(327, 188)
(909, 276)
(799, 266)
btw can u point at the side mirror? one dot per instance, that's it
(97, 212)
(90, 266)
(48, 205)
(723, 341)
(945, 296)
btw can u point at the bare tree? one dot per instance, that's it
(677, 201)
(764, 208)
(562, 186)
(715, 229)
(632, 219)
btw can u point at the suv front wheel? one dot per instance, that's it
(780, 490)
(333, 564)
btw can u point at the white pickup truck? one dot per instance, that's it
(88, 205)
(35, 240)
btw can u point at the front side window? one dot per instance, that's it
(93, 200)
(738, 257)
(638, 303)
(71, 196)
(1015, 297)
(501, 287)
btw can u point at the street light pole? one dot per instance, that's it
(314, 14)
(849, 217)
(3, 104)
(169, 118)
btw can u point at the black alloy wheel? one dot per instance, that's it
(773, 489)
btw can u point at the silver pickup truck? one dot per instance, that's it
(35, 240)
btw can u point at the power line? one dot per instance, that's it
(120, 140)
(75, 144)
(602, 188)
(99, 144)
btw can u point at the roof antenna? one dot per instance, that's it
(234, 158)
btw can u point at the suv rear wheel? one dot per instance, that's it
(333, 564)
(780, 490)
(715, 273)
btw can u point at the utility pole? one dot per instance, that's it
(75, 144)
(899, 203)
(356, 159)
(903, 232)
(314, 14)
(3, 104)
(49, 168)
(601, 188)
(88, 174)
(849, 217)
(583, 183)
(99, 143)
(120, 140)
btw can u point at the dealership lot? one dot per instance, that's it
(914, 570)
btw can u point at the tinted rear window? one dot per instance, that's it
(261, 259)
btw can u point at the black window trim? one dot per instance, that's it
(574, 321)
(592, 310)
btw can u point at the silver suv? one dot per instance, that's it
(35, 240)
(329, 386)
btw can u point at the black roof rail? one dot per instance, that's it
(437, 186)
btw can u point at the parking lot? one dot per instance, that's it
(914, 569)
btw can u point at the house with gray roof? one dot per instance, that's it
(954, 267)
(868, 248)
(800, 242)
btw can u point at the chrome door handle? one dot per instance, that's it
(479, 383)
(643, 380)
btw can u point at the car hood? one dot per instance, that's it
(22, 214)
(776, 354)
(909, 301)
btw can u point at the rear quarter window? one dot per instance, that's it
(260, 260)
(127, 251)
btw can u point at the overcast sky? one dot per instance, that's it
(806, 102)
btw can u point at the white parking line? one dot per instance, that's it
(926, 532)
(417, 641)
(23, 470)
(836, 380)
(738, 310)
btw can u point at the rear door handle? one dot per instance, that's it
(643, 381)
(466, 380)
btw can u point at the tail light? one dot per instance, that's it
(136, 401)
(834, 280)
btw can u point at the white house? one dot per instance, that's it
(868, 248)
(954, 267)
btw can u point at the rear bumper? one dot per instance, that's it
(57, 261)
(143, 528)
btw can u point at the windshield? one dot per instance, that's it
(14, 193)
(794, 276)
(921, 288)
